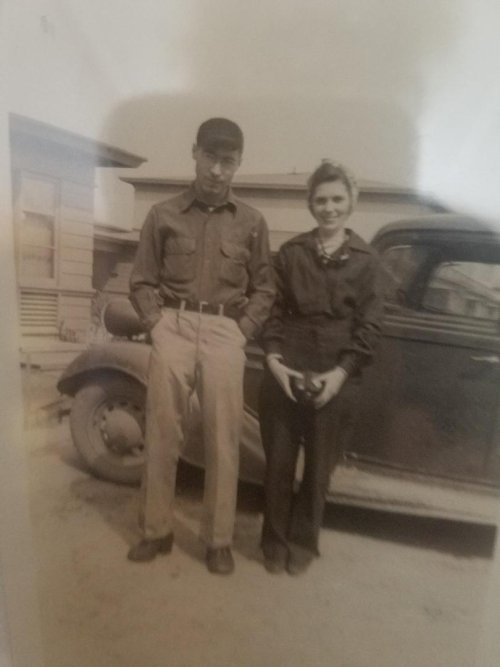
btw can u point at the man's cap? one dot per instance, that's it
(220, 133)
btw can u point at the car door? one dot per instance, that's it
(430, 402)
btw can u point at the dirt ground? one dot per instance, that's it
(388, 590)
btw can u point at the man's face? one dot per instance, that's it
(215, 168)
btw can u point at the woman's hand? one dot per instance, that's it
(282, 374)
(332, 382)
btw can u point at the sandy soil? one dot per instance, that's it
(388, 591)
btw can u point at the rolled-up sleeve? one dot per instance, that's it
(146, 272)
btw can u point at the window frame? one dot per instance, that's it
(469, 303)
(27, 281)
(443, 246)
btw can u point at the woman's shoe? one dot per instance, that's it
(298, 563)
(275, 566)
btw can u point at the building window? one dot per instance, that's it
(38, 246)
(37, 225)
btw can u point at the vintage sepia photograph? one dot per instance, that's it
(250, 273)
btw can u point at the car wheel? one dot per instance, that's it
(107, 426)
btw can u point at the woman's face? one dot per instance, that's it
(331, 205)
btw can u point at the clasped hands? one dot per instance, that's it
(330, 382)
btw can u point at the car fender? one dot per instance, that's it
(131, 358)
(127, 357)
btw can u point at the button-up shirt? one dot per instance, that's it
(219, 255)
(328, 310)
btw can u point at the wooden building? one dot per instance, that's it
(53, 174)
(282, 200)
(65, 260)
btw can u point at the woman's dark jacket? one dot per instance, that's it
(327, 312)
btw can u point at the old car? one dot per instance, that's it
(428, 437)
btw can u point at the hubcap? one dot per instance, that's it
(121, 423)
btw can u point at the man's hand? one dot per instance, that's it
(282, 374)
(332, 382)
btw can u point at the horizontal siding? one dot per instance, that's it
(38, 313)
(392, 209)
(77, 254)
(33, 307)
(35, 297)
(80, 327)
(67, 301)
(71, 320)
(75, 215)
(39, 331)
(141, 209)
(75, 312)
(144, 200)
(75, 282)
(69, 240)
(76, 228)
(75, 268)
(76, 323)
(77, 196)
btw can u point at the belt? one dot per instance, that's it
(203, 307)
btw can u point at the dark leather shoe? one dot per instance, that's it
(274, 566)
(275, 556)
(146, 550)
(298, 563)
(220, 560)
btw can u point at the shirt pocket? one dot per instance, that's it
(179, 259)
(234, 264)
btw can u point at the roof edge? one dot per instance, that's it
(104, 154)
(366, 189)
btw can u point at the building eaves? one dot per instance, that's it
(109, 233)
(296, 182)
(103, 154)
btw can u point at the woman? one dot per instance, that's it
(321, 332)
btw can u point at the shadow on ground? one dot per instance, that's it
(458, 538)
(118, 506)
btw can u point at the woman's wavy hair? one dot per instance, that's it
(328, 172)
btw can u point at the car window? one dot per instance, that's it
(402, 264)
(466, 289)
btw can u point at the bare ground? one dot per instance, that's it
(388, 590)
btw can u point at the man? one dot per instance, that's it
(202, 284)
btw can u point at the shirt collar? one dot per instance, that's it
(355, 242)
(352, 243)
(189, 198)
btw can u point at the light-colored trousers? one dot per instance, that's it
(202, 353)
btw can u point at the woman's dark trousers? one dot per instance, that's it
(292, 521)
